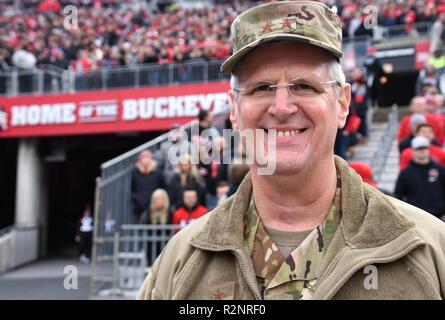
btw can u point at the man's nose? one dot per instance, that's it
(282, 105)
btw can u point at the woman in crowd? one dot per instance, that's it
(159, 211)
(187, 176)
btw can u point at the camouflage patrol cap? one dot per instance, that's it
(305, 21)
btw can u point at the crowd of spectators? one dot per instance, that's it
(178, 192)
(421, 138)
(111, 32)
(116, 35)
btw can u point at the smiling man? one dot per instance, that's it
(312, 229)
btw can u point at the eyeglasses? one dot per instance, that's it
(298, 87)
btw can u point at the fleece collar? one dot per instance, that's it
(369, 219)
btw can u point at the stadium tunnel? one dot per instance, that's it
(394, 74)
(68, 167)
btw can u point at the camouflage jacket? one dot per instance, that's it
(295, 276)
(382, 249)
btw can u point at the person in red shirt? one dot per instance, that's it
(436, 153)
(364, 171)
(418, 106)
(50, 6)
(190, 210)
(435, 103)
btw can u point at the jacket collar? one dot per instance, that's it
(368, 218)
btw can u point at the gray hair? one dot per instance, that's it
(234, 82)
(336, 71)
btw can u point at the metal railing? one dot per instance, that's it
(51, 79)
(47, 80)
(407, 30)
(378, 160)
(139, 246)
(148, 75)
(134, 249)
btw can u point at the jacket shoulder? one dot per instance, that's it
(430, 258)
(430, 228)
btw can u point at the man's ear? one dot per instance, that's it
(344, 99)
(234, 109)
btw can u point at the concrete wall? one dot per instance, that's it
(27, 241)
(6, 252)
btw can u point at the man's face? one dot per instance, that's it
(315, 120)
(146, 160)
(419, 105)
(190, 198)
(421, 155)
(426, 132)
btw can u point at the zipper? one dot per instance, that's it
(242, 262)
(240, 256)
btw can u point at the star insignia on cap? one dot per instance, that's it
(286, 23)
(267, 27)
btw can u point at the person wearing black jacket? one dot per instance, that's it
(145, 179)
(422, 183)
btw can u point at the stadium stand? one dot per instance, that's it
(113, 33)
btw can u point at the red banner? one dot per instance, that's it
(148, 109)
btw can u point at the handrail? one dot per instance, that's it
(379, 157)
(387, 31)
(143, 147)
(153, 65)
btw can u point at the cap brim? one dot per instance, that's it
(230, 63)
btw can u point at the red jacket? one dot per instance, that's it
(184, 217)
(405, 130)
(436, 153)
(441, 119)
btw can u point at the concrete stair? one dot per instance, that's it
(365, 152)
(391, 171)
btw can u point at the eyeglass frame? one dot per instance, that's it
(289, 84)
